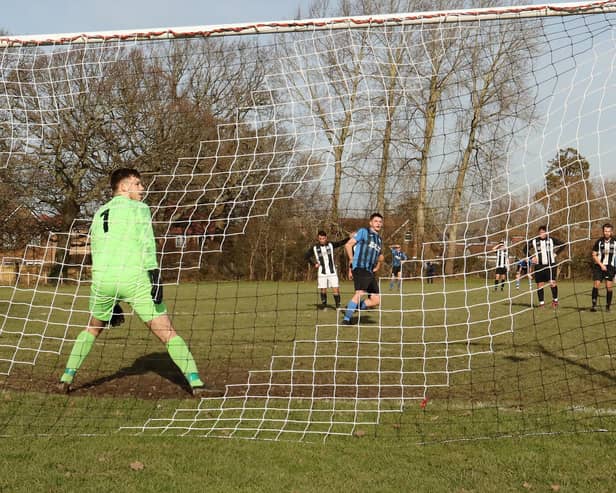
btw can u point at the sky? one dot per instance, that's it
(77, 16)
(69, 16)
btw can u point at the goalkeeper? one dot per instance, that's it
(124, 268)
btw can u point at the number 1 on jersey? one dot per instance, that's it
(105, 216)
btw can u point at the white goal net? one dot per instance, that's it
(468, 130)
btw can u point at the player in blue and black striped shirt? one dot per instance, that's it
(365, 248)
(397, 256)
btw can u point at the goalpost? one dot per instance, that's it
(467, 127)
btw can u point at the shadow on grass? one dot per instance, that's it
(159, 363)
(580, 364)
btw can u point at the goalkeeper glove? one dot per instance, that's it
(117, 318)
(157, 287)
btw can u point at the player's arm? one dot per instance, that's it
(532, 259)
(309, 256)
(559, 245)
(379, 262)
(348, 249)
(340, 243)
(597, 260)
(595, 256)
(150, 263)
(146, 233)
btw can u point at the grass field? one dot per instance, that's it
(489, 364)
(566, 463)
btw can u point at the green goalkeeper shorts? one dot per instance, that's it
(136, 291)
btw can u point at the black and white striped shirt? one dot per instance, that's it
(324, 256)
(502, 258)
(606, 251)
(544, 249)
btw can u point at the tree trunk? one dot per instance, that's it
(451, 249)
(391, 109)
(422, 197)
(338, 150)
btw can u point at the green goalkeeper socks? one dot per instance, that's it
(183, 358)
(80, 350)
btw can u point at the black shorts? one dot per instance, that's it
(523, 271)
(365, 281)
(603, 275)
(544, 273)
(395, 270)
(501, 270)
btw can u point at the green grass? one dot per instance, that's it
(567, 463)
(490, 365)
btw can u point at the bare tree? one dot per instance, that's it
(439, 49)
(18, 223)
(97, 109)
(405, 57)
(324, 72)
(495, 97)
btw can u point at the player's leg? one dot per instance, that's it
(177, 348)
(352, 305)
(324, 297)
(371, 302)
(595, 291)
(154, 315)
(517, 279)
(101, 302)
(503, 279)
(82, 347)
(496, 279)
(179, 352)
(361, 279)
(554, 286)
(542, 275)
(540, 294)
(554, 289)
(337, 297)
(374, 299)
(322, 286)
(335, 285)
(392, 278)
(609, 283)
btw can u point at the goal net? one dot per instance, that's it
(469, 130)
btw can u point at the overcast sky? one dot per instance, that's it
(67, 16)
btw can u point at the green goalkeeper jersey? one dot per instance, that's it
(122, 240)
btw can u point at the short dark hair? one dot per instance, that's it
(607, 225)
(120, 174)
(375, 214)
(321, 233)
(543, 227)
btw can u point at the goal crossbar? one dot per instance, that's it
(328, 23)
